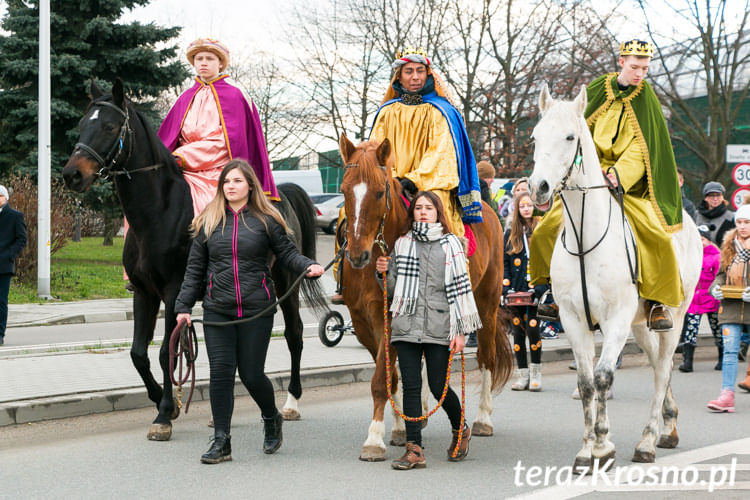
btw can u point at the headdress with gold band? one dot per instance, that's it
(637, 47)
(209, 45)
(418, 55)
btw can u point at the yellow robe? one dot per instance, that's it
(659, 274)
(423, 147)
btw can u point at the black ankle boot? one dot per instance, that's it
(687, 358)
(719, 348)
(220, 450)
(272, 430)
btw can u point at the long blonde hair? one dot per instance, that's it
(258, 204)
(519, 226)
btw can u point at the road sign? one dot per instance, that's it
(737, 153)
(738, 197)
(741, 174)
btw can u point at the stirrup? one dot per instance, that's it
(657, 327)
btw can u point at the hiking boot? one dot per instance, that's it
(272, 433)
(687, 358)
(724, 403)
(659, 318)
(471, 340)
(719, 363)
(548, 312)
(413, 458)
(522, 380)
(463, 448)
(535, 377)
(745, 384)
(220, 450)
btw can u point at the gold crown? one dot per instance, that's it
(637, 48)
(411, 50)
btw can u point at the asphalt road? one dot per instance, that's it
(108, 456)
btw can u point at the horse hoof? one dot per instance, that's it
(604, 461)
(175, 410)
(159, 432)
(372, 454)
(290, 414)
(668, 440)
(583, 465)
(644, 457)
(481, 429)
(398, 438)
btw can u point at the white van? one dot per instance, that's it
(309, 180)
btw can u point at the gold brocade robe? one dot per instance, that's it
(424, 151)
(659, 274)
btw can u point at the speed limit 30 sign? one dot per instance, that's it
(741, 174)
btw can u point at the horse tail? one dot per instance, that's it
(302, 207)
(502, 368)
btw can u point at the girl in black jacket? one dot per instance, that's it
(234, 238)
(516, 279)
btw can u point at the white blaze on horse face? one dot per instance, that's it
(94, 115)
(360, 190)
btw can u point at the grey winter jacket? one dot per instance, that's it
(430, 322)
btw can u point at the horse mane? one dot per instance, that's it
(163, 155)
(366, 160)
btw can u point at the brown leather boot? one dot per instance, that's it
(659, 318)
(548, 312)
(745, 384)
(463, 449)
(413, 458)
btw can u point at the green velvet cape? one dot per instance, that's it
(647, 120)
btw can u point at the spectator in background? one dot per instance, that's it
(12, 241)
(519, 188)
(713, 212)
(703, 303)
(686, 203)
(486, 173)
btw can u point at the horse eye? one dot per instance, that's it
(379, 195)
(570, 137)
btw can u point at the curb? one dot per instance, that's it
(78, 404)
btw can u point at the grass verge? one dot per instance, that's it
(80, 271)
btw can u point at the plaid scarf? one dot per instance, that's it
(464, 317)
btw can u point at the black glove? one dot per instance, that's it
(408, 186)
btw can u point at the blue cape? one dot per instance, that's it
(469, 194)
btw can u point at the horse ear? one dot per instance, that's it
(582, 100)
(383, 152)
(346, 148)
(118, 94)
(545, 99)
(94, 91)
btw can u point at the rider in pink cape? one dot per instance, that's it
(240, 124)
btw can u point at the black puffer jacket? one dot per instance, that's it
(231, 268)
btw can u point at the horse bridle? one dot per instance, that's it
(580, 252)
(380, 237)
(107, 164)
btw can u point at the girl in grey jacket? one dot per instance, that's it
(433, 308)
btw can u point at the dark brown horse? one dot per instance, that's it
(372, 204)
(116, 140)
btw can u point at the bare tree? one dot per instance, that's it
(709, 58)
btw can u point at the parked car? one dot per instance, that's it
(327, 211)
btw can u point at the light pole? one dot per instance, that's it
(44, 155)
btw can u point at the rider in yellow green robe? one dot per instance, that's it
(630, 133)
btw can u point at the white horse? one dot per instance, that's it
(613, 298)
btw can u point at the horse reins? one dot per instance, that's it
(380, 241)
(618, 192)
(107, 163)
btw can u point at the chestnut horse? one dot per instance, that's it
(373, 206)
